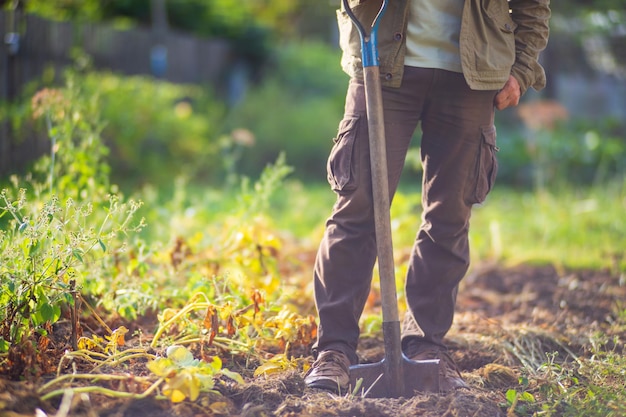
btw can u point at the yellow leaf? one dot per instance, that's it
(167, 314)
(216, 364)
(161, 367)
(194, 387)
(90, 344)
(85, 343)
(268, 368)
(175, 395)
(117, 337)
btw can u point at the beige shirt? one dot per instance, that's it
(433, 34)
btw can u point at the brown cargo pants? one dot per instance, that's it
(458, 156)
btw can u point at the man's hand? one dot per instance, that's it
(509, 95)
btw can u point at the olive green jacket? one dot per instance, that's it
(498, 38)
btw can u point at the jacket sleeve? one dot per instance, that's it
(531, 37)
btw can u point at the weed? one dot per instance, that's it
(57, 241)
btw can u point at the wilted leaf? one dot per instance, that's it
(216, 364)
(184, 384)
(167, 314)
(232, 375)
(162, 367)
(174, 395)
(90, 344)
(231, 329)
(211, 322)
(116, 338)
(278, 363)
(42, 343)
(257, 299)
(268, 368)
(194, 387)
(180, 355)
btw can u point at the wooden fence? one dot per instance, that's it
(42, 44)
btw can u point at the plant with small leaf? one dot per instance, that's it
(185, 376)
(47, 249)
(281, 363)
(63, 227)
(518, 400)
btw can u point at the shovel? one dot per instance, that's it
(396, 375)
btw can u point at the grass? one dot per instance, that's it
(574, 228)
(568, 227)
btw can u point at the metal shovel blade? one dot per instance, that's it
(417, 376)
(396, 375)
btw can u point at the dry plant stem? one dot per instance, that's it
(99, 377)
(92, 311)
(74, 315)
(112, 360)
(81, 354)
(222, 342)
(195, 305)
(105, 391)
(529, 351)
(372, 386)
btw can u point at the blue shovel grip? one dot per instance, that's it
(369, 42)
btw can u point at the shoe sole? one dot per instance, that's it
(327, 385)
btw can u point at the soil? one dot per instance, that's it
(507, 318)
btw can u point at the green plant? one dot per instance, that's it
(76, 166)
(594, 388)
(576, 151)
(47, 253)
(518, 400)
(62, 227)
(172, 130)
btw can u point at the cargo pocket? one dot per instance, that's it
(341, 166)
(486, 165)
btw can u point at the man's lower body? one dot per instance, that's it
(458, 158)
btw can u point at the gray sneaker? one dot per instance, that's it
(331, 372)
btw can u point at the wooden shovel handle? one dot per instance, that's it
(380, 192)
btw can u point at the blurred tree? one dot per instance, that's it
(215, 17)
(81, 10)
